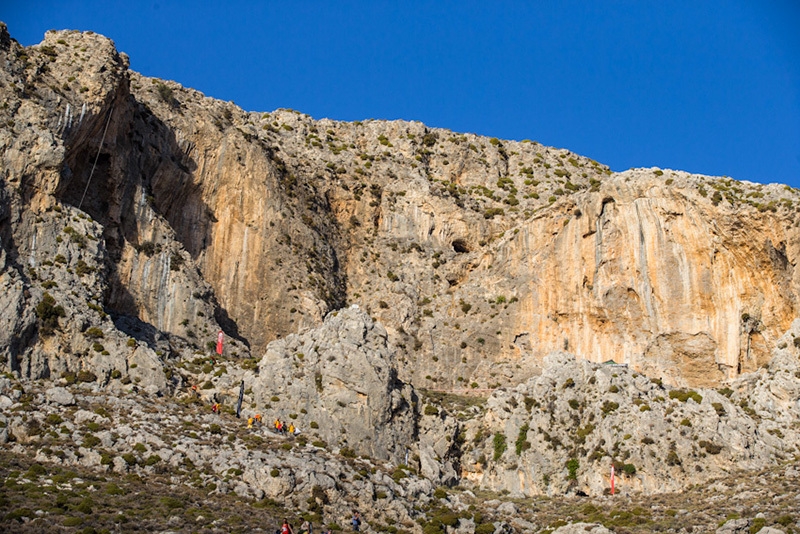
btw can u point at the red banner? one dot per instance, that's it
(612, 480)
(219, 343)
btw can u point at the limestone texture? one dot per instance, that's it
(178, 215)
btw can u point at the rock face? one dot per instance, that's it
(160, 215)
(341, 380)
(651, 275)
(562, 432)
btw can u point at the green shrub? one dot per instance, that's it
(684, 395)
(113, 489)
(85, 506)
(490, 213)
(347, 452)
(48, 313)
(758, 522)
(82, 268)
(176, 261)
(90, 441)
(608, 407)
(499, 445)
(94, 333)
(584, 431)
(18, 514)
(148, 248)
(86, 376)
(572, 468)
(629, 469)
(522, 444)
(431, 410)
(36, 470)
(171, 503)
(399, 474)
(165, 93)
(54, 419)
(673, 458)
(70, 377)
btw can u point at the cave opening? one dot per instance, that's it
(460, 246)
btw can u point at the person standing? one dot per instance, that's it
(286, 528)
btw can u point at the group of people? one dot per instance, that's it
(254, 419)
(282, 428)
(307, 527)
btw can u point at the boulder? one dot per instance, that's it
(341, 378)
(60, 396)
(735, 526)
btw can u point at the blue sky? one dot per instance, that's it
(707, 87)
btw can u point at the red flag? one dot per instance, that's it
(612, 480)
(219, 343)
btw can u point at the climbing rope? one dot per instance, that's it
(102, 140)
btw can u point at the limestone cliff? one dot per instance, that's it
(159, 215)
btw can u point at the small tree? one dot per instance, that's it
(48, 313)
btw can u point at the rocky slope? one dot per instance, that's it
(80, 454)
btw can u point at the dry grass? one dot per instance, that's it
(46, 498)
